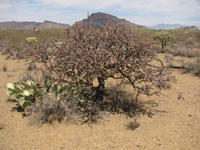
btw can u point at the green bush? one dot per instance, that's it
(164, 37)
(69, 69)
(25, 93)
(89, 54)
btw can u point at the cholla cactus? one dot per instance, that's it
(163, 37)
(31, 40)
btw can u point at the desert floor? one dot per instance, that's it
(176, 128)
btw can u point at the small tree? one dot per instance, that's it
(163, 37)
(109, 52)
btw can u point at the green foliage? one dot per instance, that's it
(164, 37)
(80, 92)
(31, 40)
(77, 92)
(25, 93)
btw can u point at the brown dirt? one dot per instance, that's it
(176, 129)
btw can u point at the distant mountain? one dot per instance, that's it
(17, 25)
(191, 28)
(50, 25)
(96, 20)
(31, 25)
(166, 26)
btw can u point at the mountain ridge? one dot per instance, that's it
(164, 26)
(95, 20)
(32, 24)
(98, 19)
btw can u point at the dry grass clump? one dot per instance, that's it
(13, 52)
(156, 48)
(183, 51)
(8, 52)
(169, 59)
(31, 67)
(193, 67)
(166, 85)
(174, 62)
(32, 73)
(50, 109)
(4, 68)
(2, 126)
(133, 125)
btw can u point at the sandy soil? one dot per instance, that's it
(176, 129)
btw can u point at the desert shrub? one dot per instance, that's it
(175, 63)
(133, 125)
(8, 52)
(167, 85)
(182, 51)
(63, 104)
(169, 59)
(31, 67)
(158, 49)
(4, 68)
(193, 67)
(50, 109)
(89, 54)
(29, 75)
(16, 51)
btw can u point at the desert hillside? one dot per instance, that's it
(97, 20)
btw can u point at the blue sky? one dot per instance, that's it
(144, 12)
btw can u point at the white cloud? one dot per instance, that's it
(152, 5)
(145, 12)
(24, 11)
(84, 4)
(174, 9)
(5, 5)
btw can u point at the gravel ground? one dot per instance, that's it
(178, 128)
